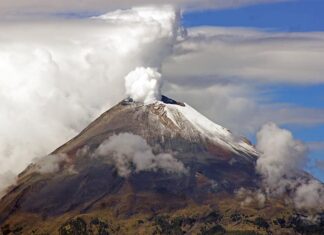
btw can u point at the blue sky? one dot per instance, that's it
(297, 16)
(293, 16)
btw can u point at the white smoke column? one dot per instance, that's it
(281, 155)
(281, 165)
(144, 85)
(56, 77)
(127, 151)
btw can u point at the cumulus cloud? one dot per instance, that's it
(58, 76)
(129, 152)
(144, 85)
(32, 8)
(281, 165)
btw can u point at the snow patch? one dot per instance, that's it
(206, 128)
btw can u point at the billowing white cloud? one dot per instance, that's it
(214, 54)
(282, 156)
(58, 76)
(144, 85)
(30, 8)
(129, 152)
(281, 164)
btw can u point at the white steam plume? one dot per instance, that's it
(144, 85)
(128, 152)
(58, 76)
(282, 156)
(281, 164)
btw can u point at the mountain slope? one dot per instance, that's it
(161, 168)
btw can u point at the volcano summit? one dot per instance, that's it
(158, 168)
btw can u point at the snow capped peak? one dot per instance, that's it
(192, 123)
(180, 119)
(201, 122)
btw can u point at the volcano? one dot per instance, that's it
(160, 168)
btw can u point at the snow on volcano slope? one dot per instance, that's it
(161, 121)
(205, 128)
